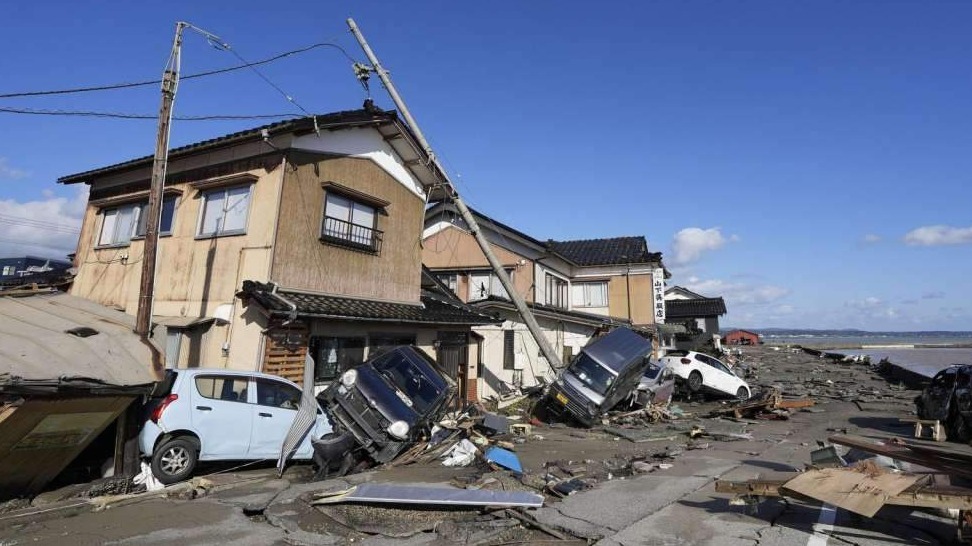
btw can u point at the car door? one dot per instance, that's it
(274, 412)
(718, 376)
(220, 415)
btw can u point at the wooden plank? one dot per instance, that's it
(795, 404)
(917, 496)
(902, 453)
(860, 492)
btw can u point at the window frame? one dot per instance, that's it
(316, 344)
(136, 208)
(225, 377)
(586, 299)
(205, 194)
(553, 283)
(140, 225)
(349, 239)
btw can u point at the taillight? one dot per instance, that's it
(157, 412)
(686, 360)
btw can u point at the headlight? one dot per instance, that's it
(398, 429)
(349, 377)
(592, 407)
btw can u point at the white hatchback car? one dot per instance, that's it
(220, 414)
(703, 372)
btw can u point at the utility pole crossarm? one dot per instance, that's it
(467, 216)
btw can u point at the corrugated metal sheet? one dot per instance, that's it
(36, 344)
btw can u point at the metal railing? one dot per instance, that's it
(344, 233)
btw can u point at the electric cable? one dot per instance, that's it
(123, 115)
(129, 85)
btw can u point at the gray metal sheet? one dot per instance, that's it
(618, 348)
(34, 344)
(422, 494)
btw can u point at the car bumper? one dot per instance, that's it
(147, 438)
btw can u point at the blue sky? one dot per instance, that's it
(808, 161)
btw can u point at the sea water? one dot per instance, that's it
(925, 361)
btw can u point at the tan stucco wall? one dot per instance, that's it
(303, 262)
(453, 249)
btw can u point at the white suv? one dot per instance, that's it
(701, 371)
(219, 414)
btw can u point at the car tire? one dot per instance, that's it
(695, 382)
(742, 393)
(175, 459)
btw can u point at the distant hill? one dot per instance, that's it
(847, 332)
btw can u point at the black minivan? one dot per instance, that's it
(381, 407)
(603, 373)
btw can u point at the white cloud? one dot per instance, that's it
(869, 302)
(870, 239)
(938, 235)
(6, 171)
(47, 227)
(737, 293)
(690, 243)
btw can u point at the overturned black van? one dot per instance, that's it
(603, 373)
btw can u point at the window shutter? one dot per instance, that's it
(508, 353)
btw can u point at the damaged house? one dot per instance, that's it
(295, 237)
(693, 319)
(576, 289)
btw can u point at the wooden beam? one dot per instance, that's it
(918, 496)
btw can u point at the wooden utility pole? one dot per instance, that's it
(153, 212)
(548, 352)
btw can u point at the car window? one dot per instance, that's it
(408, 378)
(276, 394)
(228, 388)
(945, 378)
(962, 381)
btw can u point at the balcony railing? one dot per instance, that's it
(343, 233)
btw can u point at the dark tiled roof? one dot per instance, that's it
(695, 308)
(325, 121)
(434, 309)
(614, 251)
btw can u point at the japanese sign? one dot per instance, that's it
(658, 294)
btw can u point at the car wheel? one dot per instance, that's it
(174, 460)
(695, 382)
(742, 393)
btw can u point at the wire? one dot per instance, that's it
(129, 85)
(122, 115)
(289, 98)
(51, 226)
(65, 250)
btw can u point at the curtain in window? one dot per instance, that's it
(237, 205)
(213, 213)
(108, 227)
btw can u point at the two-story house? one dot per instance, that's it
(574, 288)
(297, 236)
(698, 316)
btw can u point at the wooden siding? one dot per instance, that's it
(285, 351)
(453, 249)
(301, 261)
(640, 296)
(40, 437)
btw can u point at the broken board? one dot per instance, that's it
(419, 494)
(851, 490)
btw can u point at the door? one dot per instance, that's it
(221, 416)
(452, 357)
(274, 412)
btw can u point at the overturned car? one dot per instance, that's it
(948, 398)
(380, 408)
(605, 372)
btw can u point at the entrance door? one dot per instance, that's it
(452, 357)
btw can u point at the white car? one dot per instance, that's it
(703, 372)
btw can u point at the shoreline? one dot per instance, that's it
(911, 378)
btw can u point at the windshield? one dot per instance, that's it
(408, 378)
(652, 371)
(591, 374)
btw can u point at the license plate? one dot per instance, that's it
(561, 398)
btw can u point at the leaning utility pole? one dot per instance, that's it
(153, 212)
(504, 278)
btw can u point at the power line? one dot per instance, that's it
(122, 115)
(65, 250)
(188, 77)
(47, 226)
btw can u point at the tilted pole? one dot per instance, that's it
(467, 216)
(153, 212)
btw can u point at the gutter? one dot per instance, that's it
(292, 314)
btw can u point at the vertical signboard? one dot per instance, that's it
(658, 294)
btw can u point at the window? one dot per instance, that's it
(381, 343)
(118, 225)
(9, 270)
(349, 222)
(168, 213)
(276, 394)
(333, 355)
(590, 294)
(485, 284)
(451, 280)
(509, 356)
(224, 211)
(230, 389)
(556, 291)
